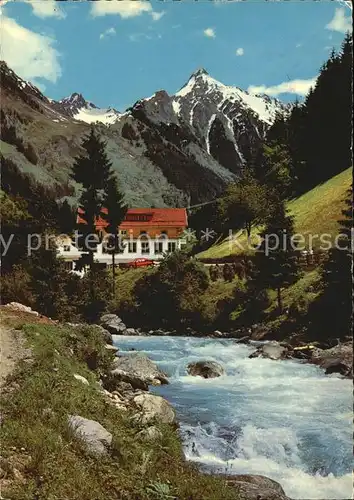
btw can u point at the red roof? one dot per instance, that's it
(176, 217)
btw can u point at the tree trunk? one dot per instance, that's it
(248, 227)
(114, 274)
(280, 302)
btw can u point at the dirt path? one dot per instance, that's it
(12, 350)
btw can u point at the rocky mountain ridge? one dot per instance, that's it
(167, 150)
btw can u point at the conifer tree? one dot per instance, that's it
(116, 210)
(66, 218)
(277, 169)
(276, 264)
(317, 134)
(49, 282)
(93, 171)
(331, 314)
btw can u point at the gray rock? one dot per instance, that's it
(272, 350)
(254, 487)
(138, 366)
(95, 437)
(111, 348)
(107, 337)
(131, 331)
(338, 359)
(206, 369)
(117, 377)
(81, 379)
(151, 433)
(242, 340)
(113, 324)
(124, 387)
(107, 318)
(260, 332)
(336, 366)
(154, 408)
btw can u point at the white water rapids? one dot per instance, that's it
(282, 419)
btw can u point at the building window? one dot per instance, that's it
(172, 246)
(132, 247)
(158, 247)
(66, 248)
(143, 233)
(138, 217)
(68, 265)
(123, 232)
(145, 247)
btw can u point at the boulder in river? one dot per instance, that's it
(131, 331)
(254, 487)
(95, 437)
(271, 350)
(338, 359)
(138, 370)
(260, 332)
(206, 369)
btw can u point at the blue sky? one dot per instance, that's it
(116, 52)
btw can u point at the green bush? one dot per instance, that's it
(16, 287)
(171, 295)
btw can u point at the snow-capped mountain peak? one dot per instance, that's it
(78, 108)
(200, 72)
(202, 86)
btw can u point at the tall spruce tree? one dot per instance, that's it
(318, 133)
(66, 218)
(331, 315)
(276, 264)
(93, 171)
(116, 210)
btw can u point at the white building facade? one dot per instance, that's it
(144, 233)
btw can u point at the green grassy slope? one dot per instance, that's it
(315, 212)
(42, 460)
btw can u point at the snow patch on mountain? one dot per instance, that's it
(176, 107)
(78, 108)
(91, 115)
(212, 118)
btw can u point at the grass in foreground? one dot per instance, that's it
(43, 461)
(315, 212)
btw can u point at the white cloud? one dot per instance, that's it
(156, 16)
(29, 54)
(300, 87)
(46, 8)
(209, 32)
(298, 45)
(108, 32)
(123, 8)
(340, 22)
(240, 51)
